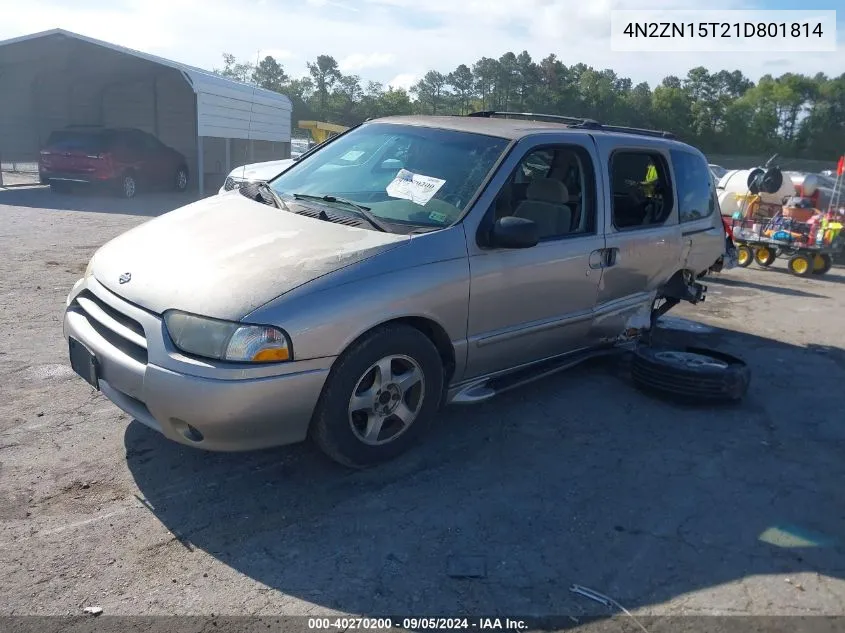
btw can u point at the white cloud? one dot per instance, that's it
(409, 37)
(362, 61)
(331, 3)
(403, 80)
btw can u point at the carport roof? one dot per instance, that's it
(201, 81)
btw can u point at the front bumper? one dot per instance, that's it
(210, 405)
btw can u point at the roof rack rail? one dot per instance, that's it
(638, 130)
(554, 118)
(590, 124)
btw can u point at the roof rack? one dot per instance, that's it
(571, 121)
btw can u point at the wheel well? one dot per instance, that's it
(675, 287)
(433, 331)
(439, 338)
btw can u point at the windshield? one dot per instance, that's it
(402, 173)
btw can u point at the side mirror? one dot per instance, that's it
(513, 232)
(392, 164)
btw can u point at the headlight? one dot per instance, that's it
(225, 340)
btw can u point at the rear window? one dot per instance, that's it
(70, 140)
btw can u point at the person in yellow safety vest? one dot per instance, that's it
(650, 182)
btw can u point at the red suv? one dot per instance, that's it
(124, 158)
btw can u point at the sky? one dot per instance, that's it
(396, 41)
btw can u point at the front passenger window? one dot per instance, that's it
(554, 188)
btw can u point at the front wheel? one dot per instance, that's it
(744, 256)
(379, 398)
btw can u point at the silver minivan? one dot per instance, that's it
(408, 263)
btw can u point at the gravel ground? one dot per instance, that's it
(575, 479)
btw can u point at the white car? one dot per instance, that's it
(718, 171)
(299, 146)
(255, 172)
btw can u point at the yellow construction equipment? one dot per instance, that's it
(320, 131)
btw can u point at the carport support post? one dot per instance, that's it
(200, 167)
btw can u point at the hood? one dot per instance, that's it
(261, 171)
(226, 255)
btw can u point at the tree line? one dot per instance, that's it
(721, 112)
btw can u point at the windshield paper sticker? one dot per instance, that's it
(414, 187)
(352, 155)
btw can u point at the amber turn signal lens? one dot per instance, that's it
(272, 355)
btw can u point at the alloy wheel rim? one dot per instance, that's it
(182, 180)
(691, 359)
(800, 265)
(129, 186)
(386, 400)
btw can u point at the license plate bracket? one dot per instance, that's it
(83, 362)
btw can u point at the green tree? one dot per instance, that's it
(270, 74)
(233, 69)
(486, 71)
(325, 74)
(463, 83)
(721, 111)
(430, 90)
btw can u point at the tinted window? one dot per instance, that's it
(403, 173)
(554, 187)
(70, 140)
(694, 183)
(641, 188)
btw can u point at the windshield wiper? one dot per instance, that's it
(363, 211)
(276, 198)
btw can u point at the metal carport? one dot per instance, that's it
(57, 78)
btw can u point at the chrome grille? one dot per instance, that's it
(122, 331)
(229, 183)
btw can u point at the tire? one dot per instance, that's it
(765, 256)
(128, 185)
(744, 256)
(800, 265)
(341, 430)
(180, 181)
(691, 375)
(822, 263)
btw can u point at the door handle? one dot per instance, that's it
(603, 258)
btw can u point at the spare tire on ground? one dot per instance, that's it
(691, 374)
